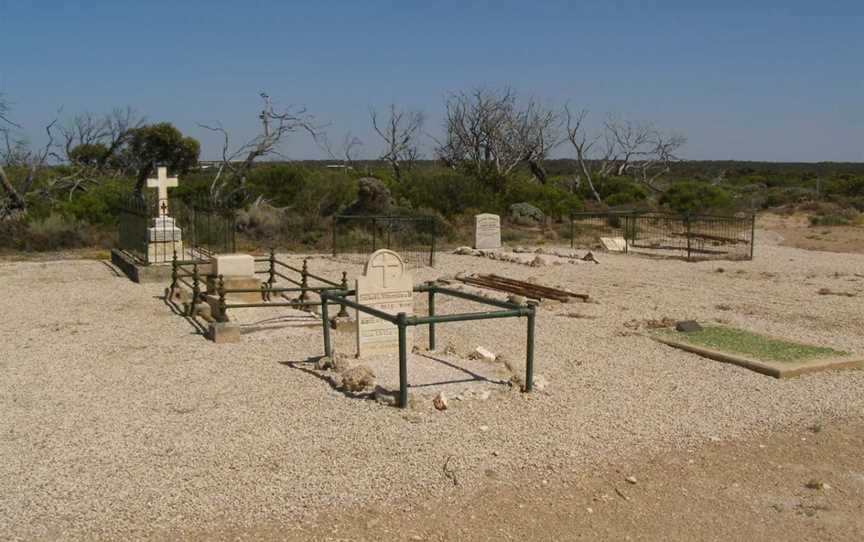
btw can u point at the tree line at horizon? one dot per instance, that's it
(494, 154)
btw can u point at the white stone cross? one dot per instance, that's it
(162, 184)
(381, 263)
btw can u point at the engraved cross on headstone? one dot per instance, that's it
(381, 263)
(162, 183)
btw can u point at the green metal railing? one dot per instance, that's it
(402, 321)
(187, 273)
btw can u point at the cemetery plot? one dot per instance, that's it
(692, 237)
(386, 285)
(772, 356)
(355, 238)
(232, 282)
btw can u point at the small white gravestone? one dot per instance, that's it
(386, 286)
(164, 238)
(614, 244)
(487, 231)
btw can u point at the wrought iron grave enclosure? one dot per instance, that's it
(201, 226)
(692, 237)
(355, 237)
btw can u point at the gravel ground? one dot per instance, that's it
(119, 420)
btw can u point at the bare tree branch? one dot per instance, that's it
(399, 131)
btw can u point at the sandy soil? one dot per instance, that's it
(120, 421)
(796, 231)
(805, 484)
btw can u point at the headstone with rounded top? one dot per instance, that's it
(386, 286)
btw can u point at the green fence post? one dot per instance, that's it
(689, 236)
(304, 281)
(223, 305)
(752, 234)
(572, 233)
(529, 349)
(272, 278)
(174, 272)
(432, 313)
(196, 289)
(403, 359)
(343, 310)
(325, 321)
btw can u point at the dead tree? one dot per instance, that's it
(275, 127)
(400, 131)
(17, 154)
(582, 144)
(494, 130)
(623, 148)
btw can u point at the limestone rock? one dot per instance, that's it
(337, 362)
(440, 402)
(358, 378)
(540, 383)
(482, 354)
(386, 397)
(517, 299)
(539, 261)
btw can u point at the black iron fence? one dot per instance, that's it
(693, 237)
(153, 231)
(414, 238)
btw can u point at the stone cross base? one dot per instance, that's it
(163, 252)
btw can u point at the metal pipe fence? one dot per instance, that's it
(402, 321)
(692, 237)
(414, 238)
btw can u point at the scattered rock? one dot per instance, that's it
(386, 397)
(449, 350)
(482, 353)
(589, 258)
(517, 299)
(815, 484)
(337, 362)
(464, 251)
(540, 383)
(358, 378)
(539, 261)
(688, 326)
(526, 214)
(440, 402)
(630, 480)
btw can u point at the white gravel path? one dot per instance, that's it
(116, 419)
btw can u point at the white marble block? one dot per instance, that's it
(386, 286)
(487, 231)
(234, 265)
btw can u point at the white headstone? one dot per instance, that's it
(487, 231)
(614, 244)
(162, 183)
(386, 286)
(234, 265)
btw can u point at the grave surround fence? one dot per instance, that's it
(201, 226)
(402, 321)
(355, 237)
(188, 273)
(691, 237)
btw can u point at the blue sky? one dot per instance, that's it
(757, 80)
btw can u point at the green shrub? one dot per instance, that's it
(692, 197)
(553, 200)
